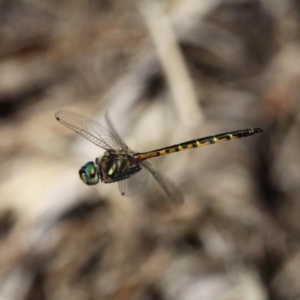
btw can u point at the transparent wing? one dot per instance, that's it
(134, 184)
(91, 130)
(174, 193)
(114, 133)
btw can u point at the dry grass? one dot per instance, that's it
(207, 67)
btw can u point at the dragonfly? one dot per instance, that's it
(130, 169)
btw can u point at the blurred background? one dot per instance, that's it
(166, 72)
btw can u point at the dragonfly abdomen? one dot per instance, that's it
(222, 137)
(227, 136)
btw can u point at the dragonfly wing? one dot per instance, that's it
(115, 134)
(91, 130)
(173, 191)
(134, 184)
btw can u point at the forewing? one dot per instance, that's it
(134, 184)
(174, 193)
(114, 132)
(91, 130)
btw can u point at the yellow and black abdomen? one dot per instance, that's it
(222, 137)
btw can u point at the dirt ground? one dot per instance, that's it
(165, 72)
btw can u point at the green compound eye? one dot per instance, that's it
(89, 173)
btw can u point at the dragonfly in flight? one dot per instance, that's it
(120, 164)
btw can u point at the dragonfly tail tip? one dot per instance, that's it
(258, 130)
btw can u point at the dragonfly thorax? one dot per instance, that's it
(117, 165)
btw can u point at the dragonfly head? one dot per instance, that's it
(89, 173)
